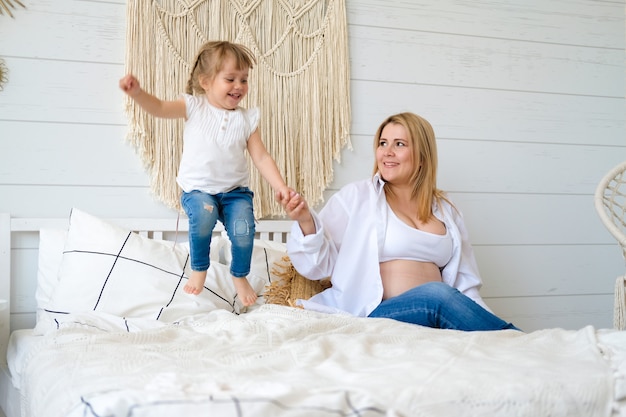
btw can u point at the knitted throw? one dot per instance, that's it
(300, 83)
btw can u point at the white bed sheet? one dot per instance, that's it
(290, 362)
(20, 343)
(612, 344)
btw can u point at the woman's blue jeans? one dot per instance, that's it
(438, 305)
(234, 209)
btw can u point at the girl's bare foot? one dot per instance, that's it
(245, 291)
(195, 283)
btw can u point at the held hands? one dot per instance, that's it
(130, 85)
(294, 204)
(282, 194)
(297, 209)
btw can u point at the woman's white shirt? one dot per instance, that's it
(350, 231)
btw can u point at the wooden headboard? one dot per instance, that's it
(19, 238)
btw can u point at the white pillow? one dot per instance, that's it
(51, 243)
(110, 269)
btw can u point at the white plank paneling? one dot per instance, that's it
(501, 64)
(538, 270)
(531, 219)
(536, 313)
(465, 113)
(524, 167)
(68, 30)
(570, 22)
(69, 153)
(65, 91)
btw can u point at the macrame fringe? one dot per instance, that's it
(619, 315)
(300, 83)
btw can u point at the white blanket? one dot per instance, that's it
(290, 362)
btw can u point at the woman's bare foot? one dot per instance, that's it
(195, 283)
(245, 291)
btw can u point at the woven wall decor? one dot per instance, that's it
(300, 83)
(3, 74)
(7, 5)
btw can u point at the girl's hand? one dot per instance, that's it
(282, 194)
(130, 85)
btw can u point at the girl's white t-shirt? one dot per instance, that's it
(214, 146)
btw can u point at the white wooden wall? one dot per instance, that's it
(527, 98)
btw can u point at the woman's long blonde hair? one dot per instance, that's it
(424, 177)
(211, 57)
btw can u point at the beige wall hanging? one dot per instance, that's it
(301, 84)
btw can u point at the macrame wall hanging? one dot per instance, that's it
(300, 83)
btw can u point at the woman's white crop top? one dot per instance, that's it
(405, 242)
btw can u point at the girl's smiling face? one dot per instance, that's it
(229, 86)
(394, 155)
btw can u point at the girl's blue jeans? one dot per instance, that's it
(438, 305)
(234, 209)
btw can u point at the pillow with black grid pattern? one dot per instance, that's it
(109, 269)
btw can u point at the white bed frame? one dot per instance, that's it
(159, 229)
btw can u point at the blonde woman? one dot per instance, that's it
(393, 245)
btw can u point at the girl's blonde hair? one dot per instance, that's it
(421, 137)
(210, 59)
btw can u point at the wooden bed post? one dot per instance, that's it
(5, 283)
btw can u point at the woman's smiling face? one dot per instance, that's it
(394, 155)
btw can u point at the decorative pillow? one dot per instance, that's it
(51, 243)
(107, 268)
(291, 286)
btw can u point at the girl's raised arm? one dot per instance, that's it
(175, 109)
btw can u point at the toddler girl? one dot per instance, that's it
(213, 172)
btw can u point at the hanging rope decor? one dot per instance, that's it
(3, 74)
(7, 5)
(300, 83)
